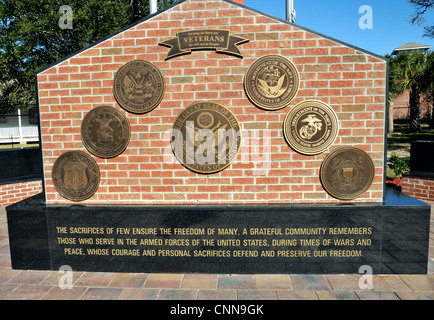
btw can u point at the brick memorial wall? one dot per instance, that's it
(266, 169)
(270, 80)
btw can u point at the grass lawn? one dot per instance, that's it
(18, 145)
(401, 131)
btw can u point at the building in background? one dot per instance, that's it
(411, 47)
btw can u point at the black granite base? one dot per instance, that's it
(390, 238)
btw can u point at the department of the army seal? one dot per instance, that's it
(347, 172)
(272, 82)
(206, 137)
(138, 86)
(105, 132)
(310, 127)
(76, 175)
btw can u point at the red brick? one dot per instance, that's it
(317, 51)
(279, 27)
(80, 60)
(67, 69)
(48, 85)
(353, 75)
(304, 43)
(343, 83)
(341, 67)
(268, 196)
(58, 77)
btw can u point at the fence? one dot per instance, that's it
(18, 127)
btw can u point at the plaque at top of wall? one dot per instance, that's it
(105, 132)
(347, 172)
(76, 175)
(310, 127)
(272, 82)
(138, 86)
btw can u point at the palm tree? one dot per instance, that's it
(429, 85)
(411, 74)
(395, 89)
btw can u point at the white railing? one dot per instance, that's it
(11, 135)
(16, 128)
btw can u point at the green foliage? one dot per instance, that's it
(399, 165)
(412, 71)
(31, 39)
(394, 75)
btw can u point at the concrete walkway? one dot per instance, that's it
(44, 285)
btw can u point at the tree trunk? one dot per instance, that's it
(390, 126)
(415, 109)
(431, 124)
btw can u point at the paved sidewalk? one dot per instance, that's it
(44, 285)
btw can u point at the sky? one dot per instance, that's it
(339, 19)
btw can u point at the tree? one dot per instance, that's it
(429, 85)
(411, 68)
(395, 89)
(422, 6)
(31, 38)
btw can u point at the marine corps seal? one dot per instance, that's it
(310, 127)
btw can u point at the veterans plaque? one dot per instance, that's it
(138, 86)
(76, 175)
(206, 137)
(310, 127)
(105, 132)
(347, 172)
(272, 82)
(219, 40)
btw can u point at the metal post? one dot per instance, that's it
(153, 6)
(20, 127)
(290, 11)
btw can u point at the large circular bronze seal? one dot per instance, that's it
(76, 175)
(310, 127)
(347, 172)
(138, 86)
(206, 137)
(105, 132)
(272, 82)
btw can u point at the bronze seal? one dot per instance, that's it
(76, 175)
(105, 132)
(310, 127)
(206, 137)
(347, 172)
(272, 82)
(138, 86)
